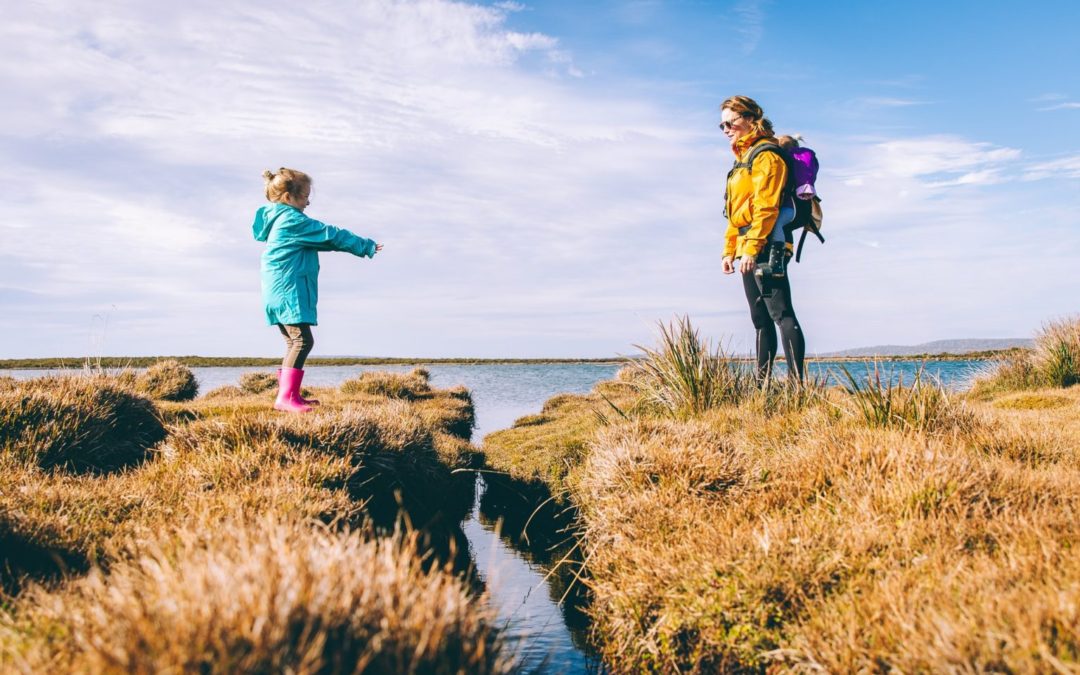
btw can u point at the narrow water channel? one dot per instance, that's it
(549, 632)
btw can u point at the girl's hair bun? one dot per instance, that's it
(268, 175)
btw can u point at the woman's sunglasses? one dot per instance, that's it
(724, 126)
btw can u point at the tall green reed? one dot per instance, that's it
(884, 401)
(685, 375)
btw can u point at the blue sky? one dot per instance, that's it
(547, 177)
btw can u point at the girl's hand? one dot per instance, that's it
(747, 264)
(378, 247)
(728, 265)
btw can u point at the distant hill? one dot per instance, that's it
(935, 347)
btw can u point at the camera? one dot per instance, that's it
(773, 267)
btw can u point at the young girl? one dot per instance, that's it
(290, 272)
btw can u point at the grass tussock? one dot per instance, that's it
(83, 423)
(355, 461)
(1053, 361)
(257, 383)
(270, 595)
(409, 386)
(685, 375)
(168, 380)
(925, 405)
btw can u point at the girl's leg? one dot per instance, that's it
(766, 332)
(298, 344)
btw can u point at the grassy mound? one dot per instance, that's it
(257, 383)
(270, 595)
(80, 423)
(168, 380)
(391, 385)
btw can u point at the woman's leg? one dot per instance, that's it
(781, 311)
(766, 333)
(298, 344)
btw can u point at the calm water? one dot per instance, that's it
(502, 393)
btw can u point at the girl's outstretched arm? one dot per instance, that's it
(314, 234)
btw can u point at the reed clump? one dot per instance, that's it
(1053, 361)
(883, 400)
(168, 380)
(273, 594)
(82, 423)
(685, 375)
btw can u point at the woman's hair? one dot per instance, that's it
(789, 142)
(746, 107)
(287, 185)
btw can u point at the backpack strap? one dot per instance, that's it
(809, 227)
(748, 164)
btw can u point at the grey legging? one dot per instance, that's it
(298, 344)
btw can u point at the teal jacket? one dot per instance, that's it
(290, 263)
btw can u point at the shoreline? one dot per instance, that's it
(52, 363)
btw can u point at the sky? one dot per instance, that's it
(546, 177)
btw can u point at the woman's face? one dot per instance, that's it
(734, 125)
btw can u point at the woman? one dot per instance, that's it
(753, 207)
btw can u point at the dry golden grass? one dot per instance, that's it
(874, 528)
(271, 594)
(79, 423)
(390, 385)
(819, 543)
(230, 460)
(168, 380)
(546, 448)
(1053, 361)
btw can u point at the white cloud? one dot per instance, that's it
(516, 205)
(751, 27)
(1066, 167)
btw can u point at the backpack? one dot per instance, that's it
(799, 190)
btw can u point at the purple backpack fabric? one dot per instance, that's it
(804, 165)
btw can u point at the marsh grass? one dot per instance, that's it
(168, 380)
(257, 383)
(882, 400)
(684, 375)
(272, 594)
(1053, 361)
(882, 526)
(227, 462)
(82, 423)
(391, 385)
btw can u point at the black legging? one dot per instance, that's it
(769, 304)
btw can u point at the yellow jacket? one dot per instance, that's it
(753, 199)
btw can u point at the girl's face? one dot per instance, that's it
(734, 125)
(300, 203)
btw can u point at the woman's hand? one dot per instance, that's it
(747, 264)
(728, 265)
(378, 247)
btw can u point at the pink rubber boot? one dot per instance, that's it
(308, 401)
(288, 397)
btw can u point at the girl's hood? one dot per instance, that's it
(264, 219)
